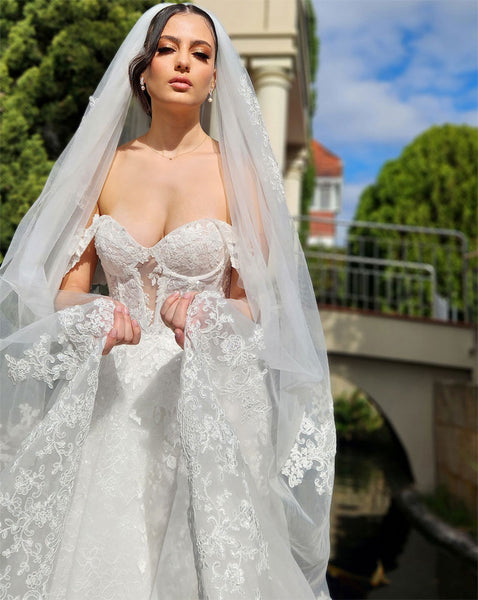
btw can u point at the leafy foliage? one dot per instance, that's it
(308, 178)
(433, 183)
(53, 54)
(314, 47)
(452, 510)
(356, 417)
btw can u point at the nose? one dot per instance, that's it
(182, 63)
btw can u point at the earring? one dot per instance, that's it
(209, 96)
(141, 83)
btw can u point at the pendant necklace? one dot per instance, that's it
(176, 155)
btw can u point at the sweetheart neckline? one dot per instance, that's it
(164, 236)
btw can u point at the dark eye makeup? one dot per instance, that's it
(204, 56)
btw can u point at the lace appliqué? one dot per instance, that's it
(250, 98)
(227, 537)
(82, 242)
(196, 256)
(39, 491)
(241, 356)
(76, 341)
(314, 446)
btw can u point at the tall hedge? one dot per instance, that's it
(53, 54)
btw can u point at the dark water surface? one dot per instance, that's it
(371, 539)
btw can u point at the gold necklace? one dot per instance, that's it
(176, 155)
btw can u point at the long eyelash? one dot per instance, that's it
(198, 54)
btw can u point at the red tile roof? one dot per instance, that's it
(327, 164)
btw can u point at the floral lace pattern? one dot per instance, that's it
(250, 98)
(76, 341)
(162, 421)
(314, 448)
(143, 277)
(228, 541)
(36, 493)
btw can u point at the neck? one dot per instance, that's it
(174, 132)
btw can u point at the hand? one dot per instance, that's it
(125, 330)
(174, 312)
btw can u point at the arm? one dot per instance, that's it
(79, 279)
(237, 295)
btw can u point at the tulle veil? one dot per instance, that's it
(50, 358)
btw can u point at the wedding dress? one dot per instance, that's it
(127, 534)
(172, 497)
(156, 473)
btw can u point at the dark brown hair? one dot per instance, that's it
(140, 62)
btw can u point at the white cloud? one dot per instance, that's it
(391, 68)
(364, 111)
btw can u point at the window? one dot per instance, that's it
(327, 195)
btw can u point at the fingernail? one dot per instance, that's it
(187, 295)
(118, 309)
(176, 293)
(134, 322)
(126, 310)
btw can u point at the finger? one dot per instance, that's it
(110, 341)
(119, 324)
(179, 337)
(168, 303)
(169, 314)
(180, 314)
(136, 331)
(128, 327)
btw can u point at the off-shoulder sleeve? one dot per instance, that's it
(227, 233)
(82, 242)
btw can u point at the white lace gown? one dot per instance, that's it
(173, 498)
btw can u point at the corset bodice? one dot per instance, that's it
(196, 256)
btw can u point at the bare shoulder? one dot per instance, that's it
(124, 171)
(131, 151)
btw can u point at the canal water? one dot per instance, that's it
(375, 551)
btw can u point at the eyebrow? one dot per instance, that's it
(178, 41)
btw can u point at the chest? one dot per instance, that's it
(155, 201)
(196, 249)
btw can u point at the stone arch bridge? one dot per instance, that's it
(397, 361)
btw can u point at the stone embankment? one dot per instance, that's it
(432, 526)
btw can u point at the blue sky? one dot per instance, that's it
(389, 69)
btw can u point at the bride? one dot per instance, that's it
(173, 440)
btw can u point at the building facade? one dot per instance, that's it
(271, 38)
(327, 199)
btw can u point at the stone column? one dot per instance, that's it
(296, 165)
(272, 79)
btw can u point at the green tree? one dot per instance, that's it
(433, 183)
(355, 416)
(308, 179)
(53, 54)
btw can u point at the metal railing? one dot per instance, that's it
(400, 269)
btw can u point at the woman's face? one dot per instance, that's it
(182, 70)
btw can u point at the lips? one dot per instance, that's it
(180, 83)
